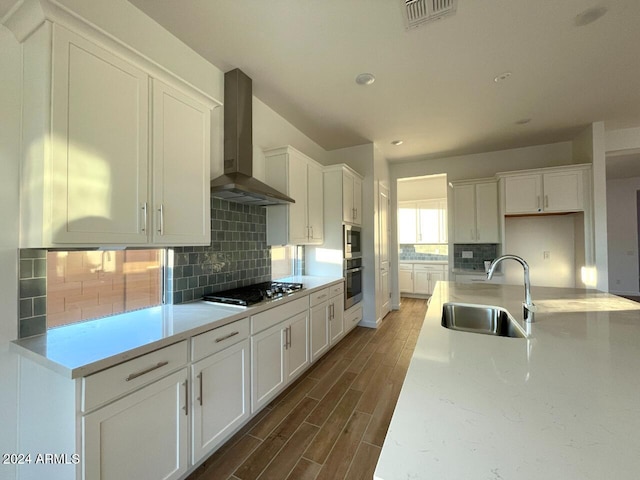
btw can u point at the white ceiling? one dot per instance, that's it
(434, 86)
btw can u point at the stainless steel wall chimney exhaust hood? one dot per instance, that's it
(237, 184)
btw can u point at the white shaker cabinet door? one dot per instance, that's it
(563, 191)
(336, 322)
(99, 145)
(181, 166)
(315, 203)
(298, 349)
(347, 198)
(357, 201)
(143, 435)
(464, 214)
(267, 365)
(523, 194)
(221, 402)
(487, 226)
(298, 226)
(319, 330)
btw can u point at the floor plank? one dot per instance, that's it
(331, 423)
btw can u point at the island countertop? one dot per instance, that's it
(563, 403)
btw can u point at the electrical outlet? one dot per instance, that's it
(546, 254)
(467, 254)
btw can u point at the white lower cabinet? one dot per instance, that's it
(405, 277)
(420, 278)
(352, 316)
(336, 318)
(221, 398)
(319, 324)
(160, 414)
(280, 352)
(143, 435)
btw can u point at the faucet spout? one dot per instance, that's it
(528, 306)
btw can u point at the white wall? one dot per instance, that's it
(622, 224)
(466, 167)
(10, 107)
(423, 188)
(361, 159)
(590, 146)
(487, 164)
(623, 139)
(529, 238)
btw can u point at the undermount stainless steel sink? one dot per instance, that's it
(483, 319)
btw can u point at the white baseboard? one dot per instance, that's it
(369, 323)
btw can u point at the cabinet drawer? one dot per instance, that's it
(218, 339)
(336, 289)
(318, 297)
(428, 268)
(353, 315)
(101, 387)
(406, 266)
(270, 317)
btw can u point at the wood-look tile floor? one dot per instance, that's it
(331, 423)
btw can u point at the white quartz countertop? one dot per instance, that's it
(562, 404)
(84, 348)
(426, 262)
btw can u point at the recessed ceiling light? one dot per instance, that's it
(397, 142)
(502, 76)
(365, 79)
(590, 15)
(523, 121)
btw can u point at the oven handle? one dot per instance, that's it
(352, 270)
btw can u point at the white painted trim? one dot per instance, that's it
(369, 324)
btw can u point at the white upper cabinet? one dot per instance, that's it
(351, 198)
(106, 146)
(553, 190)
(296, 175)
(475, 212)
(181, 164)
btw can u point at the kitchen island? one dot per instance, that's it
(563, 403)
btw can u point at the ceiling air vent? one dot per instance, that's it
(418, 12)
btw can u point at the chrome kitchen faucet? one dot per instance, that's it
(528, 306)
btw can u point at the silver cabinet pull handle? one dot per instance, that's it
(289, 336)
(161, 229)
(145, 371)
(222, 339)
(200, 379)
(539, 204)
(311, 236)
(144, 210)
(186, 397)
(546, 201)
(322, 296)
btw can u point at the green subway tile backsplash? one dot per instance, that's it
(32, 282)
(238, 254)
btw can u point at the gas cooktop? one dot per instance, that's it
(252, 294)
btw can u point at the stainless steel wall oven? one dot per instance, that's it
(353, 281)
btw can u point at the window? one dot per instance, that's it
(286, 261)
(84, 285)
